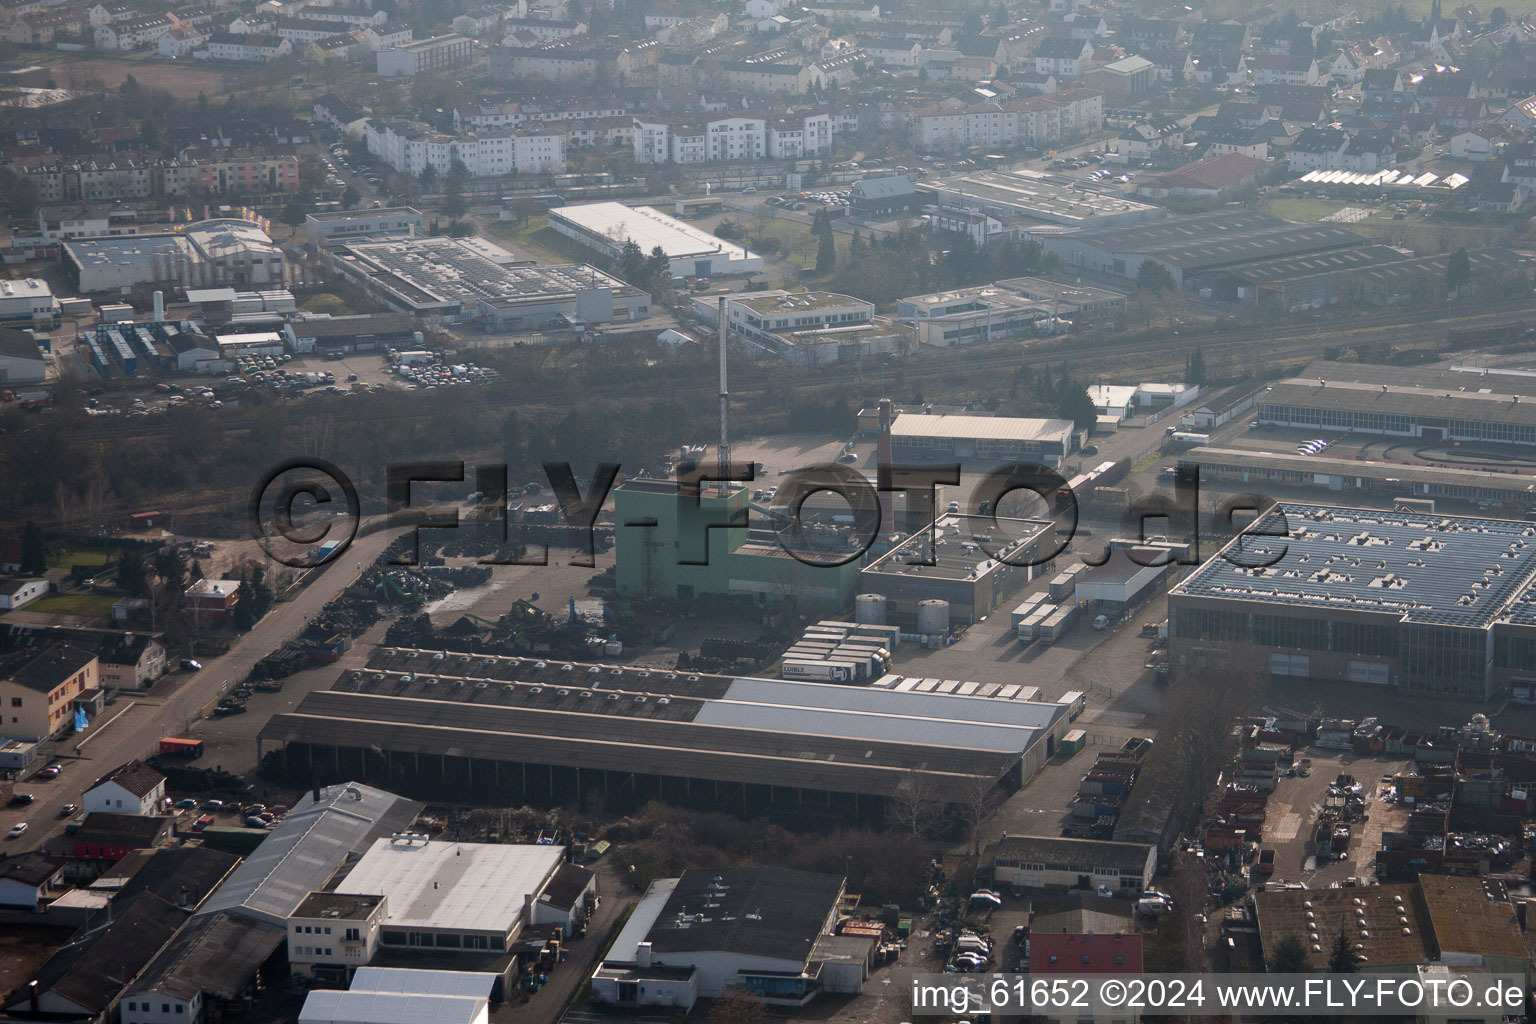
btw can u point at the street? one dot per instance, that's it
(132, 726)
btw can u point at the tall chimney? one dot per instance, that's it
(724, 452)
(883, 469)
(159, 306)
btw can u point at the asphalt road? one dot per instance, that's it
(132, 726)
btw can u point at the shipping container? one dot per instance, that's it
(1074, 701)
(1073, 742)
(820, 671)
(181, 747)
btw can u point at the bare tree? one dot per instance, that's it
(978, 799)
(915, 808)
(1188, 886)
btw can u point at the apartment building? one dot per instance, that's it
(411, 147)
(249, 47)
(436, 54)
(1033, 122)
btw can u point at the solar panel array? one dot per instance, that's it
(453, 271)
(1426, 569)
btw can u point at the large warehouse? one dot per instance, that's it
(21, 361)
(1191, 246)
(528, 730)
(1036, 196)
(1433, 605)
(204, 254)
(996, 439)
(693, 252)
(1245, 467)
(471, 279)
(1368, 275)
(1439, 408)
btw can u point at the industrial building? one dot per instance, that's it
(530, 730)
(1381, 481)
(1037, 196)
(951, 573)
(471, 897)
(472, 280)
(1370, 275)
(204, 254)
(1439, 409)
(381, 995)
(814, 328)
(21, 361)
(765, 931)
(1054, 862)
(1433, 605)
(26, 300)
(672, 545)
(321, 228)
(1190, 247)
(966, 315)
(1075, 301)
(692, 251)
(995, 439)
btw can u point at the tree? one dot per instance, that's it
(1498, 18)
(295, 210)
(1152, 276)
(1073, 403)
(657, 272)
(632, 263)
(243, 615)
(454, 204)
(1458, 270)
(1341, 958)
(1289, 957)
(855, 246)
(133, 572)
(826, 255)
(350, 196)
(171, 567)
(1194, 368)
(737, 1007)
(34, 550)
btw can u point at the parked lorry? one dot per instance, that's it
(1029, 629)
(1057, 623)
(1074, 701)
(1025, 609)
(819, 671)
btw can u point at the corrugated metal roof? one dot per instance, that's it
(389, 1008)
(427, 983)
(305, 849)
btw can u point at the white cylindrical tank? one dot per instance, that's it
(932, 617)
(869, 609)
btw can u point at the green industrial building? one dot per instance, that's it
(679, 546)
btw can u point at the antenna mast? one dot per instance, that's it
(723, 451)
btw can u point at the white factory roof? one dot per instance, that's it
(457, 886)
(426, 983)
(25, 286)
(390, 1008)
(815, 709)
(641, 920)
(992, 428)
(648, 228)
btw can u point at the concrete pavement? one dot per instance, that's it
(133, 726)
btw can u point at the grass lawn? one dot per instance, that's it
(73, 558)
(1302, 208)
(91, 606)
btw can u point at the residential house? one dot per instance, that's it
(109, 836)
(250, 47)
(209, 602)
(131, 788)
(39, 687)
(180, 41)
(1278, 69)
(1063, 56)
(1477, 144)
(17, 593)
(26, 881)
(133, 33)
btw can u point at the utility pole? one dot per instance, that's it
(723, 452)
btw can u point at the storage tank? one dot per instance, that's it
(869, 609)
(932, 617)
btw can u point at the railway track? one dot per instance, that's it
(1146, 358)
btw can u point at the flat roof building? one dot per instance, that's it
(1054, 862)
(815, 328)
(320, 228)
(692, 251)
(995, 439)
(533, 730)
(962, 316)
(1431, 411)
(1195, 245)
(204, 254)
(473, 280)
(950, 562)
(1038, 196)
(713, 930)
(1433, 605)
(469, 896)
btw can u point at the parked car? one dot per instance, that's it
(21, 799)
(51, 772)
(187, 804)
(17, 830)
(189, 665)
(67, 810)
(213, 805)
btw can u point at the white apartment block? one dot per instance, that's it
(1032, 122)
(510, 115)
(738, 138)
(411, 149)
